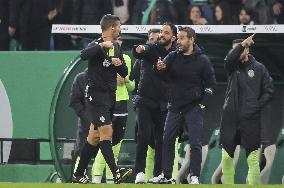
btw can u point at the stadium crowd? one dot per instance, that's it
(29, 22)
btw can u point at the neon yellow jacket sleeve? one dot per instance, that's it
(122, 89)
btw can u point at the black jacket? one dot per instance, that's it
(90, 11)
(249, 88)
(135, 75)
(101, 72)
(77, 98)
(190, 78)
(4, 23)
(152, 91)
(4, 15)
(30, 15)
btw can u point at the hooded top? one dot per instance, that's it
(187, 77)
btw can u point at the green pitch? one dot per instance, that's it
(66, 185)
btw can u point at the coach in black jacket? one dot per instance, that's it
(151, 99)
(248, 91)
(190, 76)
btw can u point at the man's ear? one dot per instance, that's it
(192, 39)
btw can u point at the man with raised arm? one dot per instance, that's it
(105, 61)
(191, 79)
(249, 89)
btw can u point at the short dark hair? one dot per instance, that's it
(189, 31)
(108, 21)
(154, 30)
(237, 41)
(172, 26)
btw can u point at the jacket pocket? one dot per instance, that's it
(251, 109)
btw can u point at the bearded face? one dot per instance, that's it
(166, 35)
(184, 43)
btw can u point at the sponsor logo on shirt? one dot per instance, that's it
(106, 63)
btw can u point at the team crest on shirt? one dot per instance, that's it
(102, 119)
(250, 73)
(106, 63)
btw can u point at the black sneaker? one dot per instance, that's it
(122, 174)
(80, 179)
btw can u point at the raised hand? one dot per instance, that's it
(160, 64)
(139, 49)
(116, 61)
(248, 41)
(119, 79)
(51, 14)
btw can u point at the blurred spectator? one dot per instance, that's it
(195, 16)
(181, 10)
(154, 12)
(163, 12)
(31, 19)
(261, 10)
(4, 36)
(205, 8)
(222, 14)
(63, 16)
(139, 8)
(123, 9)
(90, 12)
(246, 17)
(277, 11)
(235, 7)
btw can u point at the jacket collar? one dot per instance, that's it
(250, 61)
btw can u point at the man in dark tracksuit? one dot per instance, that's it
(249, 89)
(153, 35)
(78, 103)
(105, 61)
(151, 100)
(190, 77)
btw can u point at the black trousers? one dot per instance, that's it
(119, 127)
(194, 123)
(150, 121)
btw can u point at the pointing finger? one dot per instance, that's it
(252, 35)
